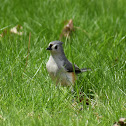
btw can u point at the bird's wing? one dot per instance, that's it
(71, 67)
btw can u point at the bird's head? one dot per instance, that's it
(55, 47)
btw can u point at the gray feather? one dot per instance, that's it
(71, 67)
(74, 68)
(56, 42)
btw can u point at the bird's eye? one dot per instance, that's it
(56, 47)
(50, 45)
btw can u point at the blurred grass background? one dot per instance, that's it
(27, 94)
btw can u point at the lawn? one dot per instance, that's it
(28, 96)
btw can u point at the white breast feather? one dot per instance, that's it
(56, 70)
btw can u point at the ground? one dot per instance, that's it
(97, 41)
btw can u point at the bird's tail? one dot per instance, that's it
(85, 69)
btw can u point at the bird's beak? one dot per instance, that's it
(49, 48)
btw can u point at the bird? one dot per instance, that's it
(60, 69)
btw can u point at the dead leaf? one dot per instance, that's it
(67, 30)
(3, 33)
(98, 116)
(17, 30)
(121, 122)
(82, 98)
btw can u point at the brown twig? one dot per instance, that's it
(28, 51)
(28, 48)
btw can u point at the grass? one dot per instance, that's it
(27, 94)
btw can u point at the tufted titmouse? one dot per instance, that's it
(58, 66)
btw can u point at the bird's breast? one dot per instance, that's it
(51, 66)
(57, 71)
